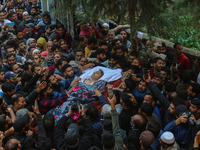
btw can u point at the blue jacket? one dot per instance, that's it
(183, 133)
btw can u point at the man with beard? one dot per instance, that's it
(22, 55)
(120, 52)
(158, 63)
(62, 34)
(46, 21)
(16, 69)
(111, 62)
(104, 31)
(47, 102)
(169, 108)
(68, 71)
(2, 20)
(20, 12)
(19, 33)
(34, 15)
(13, 18)
(100, 55)
(59, 87)
(26, 20)
(140, 91)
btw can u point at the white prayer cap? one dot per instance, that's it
(36, 50)
(167, 137)
(25, 13)
(140, 35)
(106, 24)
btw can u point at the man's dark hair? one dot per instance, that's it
(54, 47)
(130, 84)
(92, 112)
(10, 55)
(154, 127)
(114, 41)
(108, 140)
(122, 64)
(15, 98)
(79, 50)
(19, 42)
(113, 56)
(147, 109)
(103, 43)
(177, 101)
(100, 51)
(65, 67)
(18, 30)
(75, 44)
(92, 40)
(107, 125)
(120, 47)
(12, 43)
(160, 76)
(184, 76)
(134, 53)
(11, 7)
(25, 78)
(195, 88)
(59, 62)
(27, 64)
(10, 14)
(49, 122)
(46, 13)
(33, 67)
(59, 25)
(2, 121)
(166, 69)
(81, 39)
(176, 44)
(20, 7)
(156, 59)
(7, 87)
(126, 99)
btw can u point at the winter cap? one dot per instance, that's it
(72, 134)
(147, 138)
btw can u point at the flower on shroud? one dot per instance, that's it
(76, 115)
(76, 89)
(84, 94)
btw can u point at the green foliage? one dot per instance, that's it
(185, 33)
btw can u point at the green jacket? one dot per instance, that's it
(116, 132)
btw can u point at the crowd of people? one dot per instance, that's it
(92, 91)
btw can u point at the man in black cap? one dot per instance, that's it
(30, 32)
(72, 140)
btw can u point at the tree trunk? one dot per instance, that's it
(132, 17)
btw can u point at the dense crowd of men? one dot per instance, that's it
(155, 105)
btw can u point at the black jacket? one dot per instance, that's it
(86, 135)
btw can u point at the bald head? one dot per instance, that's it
(13, 144)
(138, 122)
